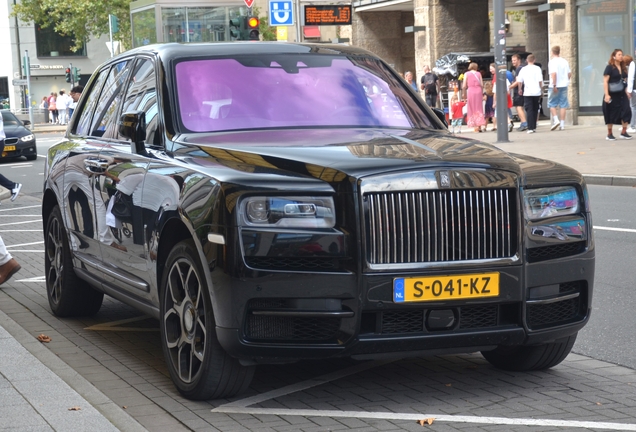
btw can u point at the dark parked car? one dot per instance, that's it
(20, 141)
(270, 202)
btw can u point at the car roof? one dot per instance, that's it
(170, 51)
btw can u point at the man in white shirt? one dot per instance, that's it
(532, 79)
(560, 75)
(631, 90)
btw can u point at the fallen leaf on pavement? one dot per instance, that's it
(125, 407)
(74, 409)
(581, 153)
(448, 385)
(426, 421)
(44, 338)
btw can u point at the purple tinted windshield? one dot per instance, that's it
(290, 91)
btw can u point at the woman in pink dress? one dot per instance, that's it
(473, 92)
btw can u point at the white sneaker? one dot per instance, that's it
(16, 191)
(631, 130)
(555, 125)
(530, 131)
(561, 127)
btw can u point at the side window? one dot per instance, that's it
(105, 119)
(86, 115)
(141, 95)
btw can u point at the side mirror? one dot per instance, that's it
(132, 125)
(26, 122)
(440, 115)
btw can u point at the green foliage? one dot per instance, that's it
(268, 33)
(81, 19)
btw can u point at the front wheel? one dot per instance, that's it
(198, 365)
(68, 295)
(530, 358)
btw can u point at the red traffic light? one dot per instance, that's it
(68, 70)
(252, 22)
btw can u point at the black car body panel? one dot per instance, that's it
(385, 206)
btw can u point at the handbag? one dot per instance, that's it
(122, 206)
(617, 87)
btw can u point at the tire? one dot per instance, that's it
(68, 295)
(198, 365)
(530, 358)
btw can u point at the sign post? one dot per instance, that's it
(27, 66)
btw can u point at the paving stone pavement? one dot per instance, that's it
(124, 364)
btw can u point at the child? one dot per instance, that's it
(457, 113)
(489, 111)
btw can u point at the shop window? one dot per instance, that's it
(52, 44)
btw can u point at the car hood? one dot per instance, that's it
(356, 152)
(16, 131)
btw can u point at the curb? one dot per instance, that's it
(106, 407)
(609, 180)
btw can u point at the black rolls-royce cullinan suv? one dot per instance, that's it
(270, 202)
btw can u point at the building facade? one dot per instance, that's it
(49, 55)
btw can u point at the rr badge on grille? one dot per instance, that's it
(444, 179)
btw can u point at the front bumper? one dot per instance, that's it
(288, 316)
(20, 148)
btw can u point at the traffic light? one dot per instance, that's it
(237, 25)
(76, 75)
(252, 28)
(67, 75)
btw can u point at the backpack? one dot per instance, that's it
(429, 83)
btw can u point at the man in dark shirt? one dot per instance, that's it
(430, 86)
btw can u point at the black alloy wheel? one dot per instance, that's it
(198, 365)
(68, 295)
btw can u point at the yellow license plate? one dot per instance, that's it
(432, 288)
(9, 148)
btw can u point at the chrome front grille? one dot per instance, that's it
(441, 225)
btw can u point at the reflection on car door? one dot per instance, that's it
(120, 187)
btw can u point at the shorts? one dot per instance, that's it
(558, 99)
(517, 100)
(457, 122)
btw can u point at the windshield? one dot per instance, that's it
(273, 91)
(9, 119)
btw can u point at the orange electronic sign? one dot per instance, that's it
(327, 15)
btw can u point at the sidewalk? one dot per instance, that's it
(583, 148)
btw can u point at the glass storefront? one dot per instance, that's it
(183, 24)
(602, 27)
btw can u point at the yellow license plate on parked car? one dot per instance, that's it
(9, 148)
(432, 288)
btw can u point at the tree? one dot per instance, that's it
(80, 19)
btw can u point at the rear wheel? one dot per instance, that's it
(68, 295)
(198, 365)
(530, 358)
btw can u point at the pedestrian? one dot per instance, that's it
(615, 103)
(631, 93)
(560, 74)
(489, 111)
(63, 101)
(493, 73)
(457, 113)
(473, 94)
(44, 106)
(430, 85)
(531, 79)
(517, 92)
(53, 108)
(8, 265)
(5, 182)
(75, 94)
(408, 76)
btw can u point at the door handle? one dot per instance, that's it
(96, 165)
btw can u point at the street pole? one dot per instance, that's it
(27, 66)
(110, 30)
(70, 66)
(500, 68)
(297, 23)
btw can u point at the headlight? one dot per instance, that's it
(288, 212)
(27, 138)
(549, 202)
